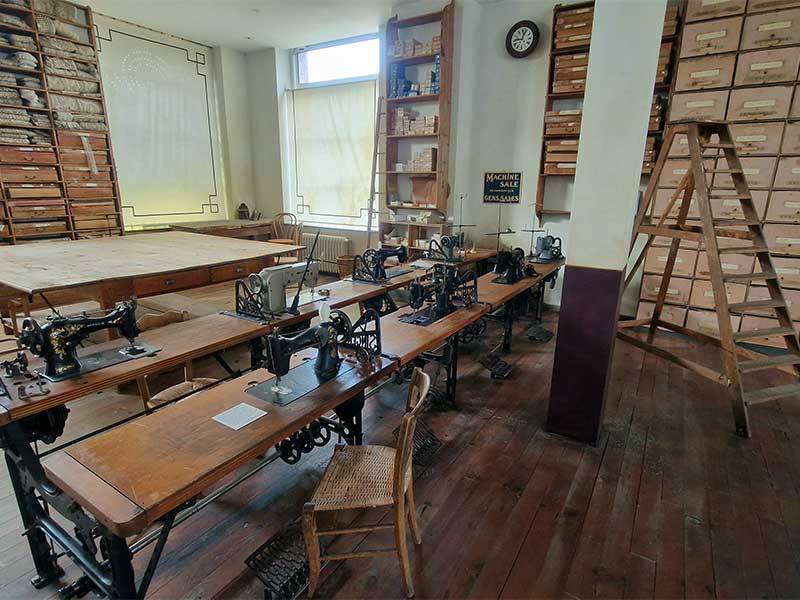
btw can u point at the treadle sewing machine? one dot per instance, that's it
(444, 293)
(56, 341)
(369, 267)
(511, 267)
(548, 249)
(262, 295)
(449, 248)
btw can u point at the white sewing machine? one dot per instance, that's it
(270, 284)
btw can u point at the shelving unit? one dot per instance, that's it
(568, 68)
(720, 44)
(63, 183)
(412, 54)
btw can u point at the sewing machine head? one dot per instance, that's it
(509, 266)
(446, 248)
(269, 285)
(369, 266)
(447, 289)
(548, 248)
(56, 340)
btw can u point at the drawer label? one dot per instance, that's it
(787, 271)
(711, 35)
(670, 291)
(731, 203)
(578, 68)
(774, 25)
(713, 2)
(751, 171)
(785, 240)
(796, 171)
(703, 74)
(751, 138)
(569, 112)
(759, 103)
(791, 204)
(584, 36)
(565, 165)
(663, 259)
(709, 294)
(730, 267)
(766, 66)
(680, 171)
(700, 103)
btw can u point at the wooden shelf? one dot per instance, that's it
(412, 60)
(414, 173)
(413, 136)
(422, 225)
(408, 99)
(417, 20)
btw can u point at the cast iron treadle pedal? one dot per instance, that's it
(537, 333)
(426, 444)
(499, 368)
(281, 564)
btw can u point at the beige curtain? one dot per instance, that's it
(333, 138)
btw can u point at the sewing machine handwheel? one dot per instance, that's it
(370, 258)
(342, 326)
(30, 336)
(320, 433)
(362, 356)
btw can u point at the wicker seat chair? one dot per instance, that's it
(286, 230)
(360, 477)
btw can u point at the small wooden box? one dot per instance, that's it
(755, 104)
(713, 9)
(707, 322)
(771, 29)
(669, 314)
(92, 209)
(97, 141)
(784, 207)
(78, 157)
(23, 174)
(423, 190)
(27, 155)
(788, 270)
(791, 138)
(759, 5)
(783, 239)
(705, 72)
(36, 228)
(37, 209)
(758, 171)
(656, 260)
(79, 174)
(703, 294)
(90, 190)
(32, 191)
(788, 174)
(757, 138)
(711, 37)
(107, 222)
(767, 66)
(698, 105)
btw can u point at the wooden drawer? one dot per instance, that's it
(767, 66)
(711, 37)
(44, 209)
(237, 271)
(571, 15)
(92, 209)
(731, 263)
(566, 61)
(680, 146)
(705, 72)
(561, 168)
(663, 196)
(788, 174)
(78, 157)
(108, 222)
(164, 284)
(657, 259)
(751, 323)
(703, 294)
(755, 104)
(706, 322)
(757, 138)
(731, 208)
(675, 169)
(792, 298)
(90, 190)
(25, 173)
(791, 138)
(759, 5)
(784, 207)
(795, 112)
(33, 191)
(78, 174)
(23, 155)
(783, 239)
(698, 105)
(39, 228)
(713, 9)
(771, 29)
(758, 171)
(677, 290)
(2, 210)
(669, 314)
(575, 39)
(788, 270)
(97, 141)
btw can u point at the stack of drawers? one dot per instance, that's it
(569, 73)
(573, 27)
(739, 60)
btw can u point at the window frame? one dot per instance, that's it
(296, 52)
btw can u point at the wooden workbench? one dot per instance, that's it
(497, 294)
(233, 228)
(470, 258)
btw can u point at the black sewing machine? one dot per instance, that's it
(369, 266)
(511, 267)
(445, 292)
(446, 249)
(57, 339)
(335, 331)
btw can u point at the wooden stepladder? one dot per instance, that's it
(709, 139)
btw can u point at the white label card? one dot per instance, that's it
(712, 35)
(774, 26)
(766, 66)
(704, 74)
(791, 204)
(239, 416)
(783, 240)
(759, 103)
(700, 103)
(751, 138)
(787, 271)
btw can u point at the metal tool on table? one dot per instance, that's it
(369, 267)
(448, 248)
(57, 339)
(548, 249)
(446, 291)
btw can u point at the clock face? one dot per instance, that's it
(522, 39)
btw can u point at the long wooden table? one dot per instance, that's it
(231, 228)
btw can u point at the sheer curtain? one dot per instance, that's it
(333, 130)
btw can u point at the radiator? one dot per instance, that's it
(329, 248)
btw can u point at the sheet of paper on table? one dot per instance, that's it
(240, 415)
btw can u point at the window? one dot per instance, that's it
(355, 59)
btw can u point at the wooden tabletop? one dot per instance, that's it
(497, 294)
(229, 228)
(33, 268)
(475, 256)
(174, 454)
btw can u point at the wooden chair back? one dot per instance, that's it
(417, 392)
(286, 227)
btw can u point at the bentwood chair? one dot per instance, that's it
(361, 477)
(286, 230)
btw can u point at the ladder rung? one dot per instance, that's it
(771, 362)
(730, 197)
(735, 222)
(773, 393)
(745, 250)
(726, 171)
(764, 333)
(717, 146)
(749, 276)
(755, 305)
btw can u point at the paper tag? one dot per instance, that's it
(584, 36)
(240, 415)
(565, 165)
(751, 171)
(700, 103)
(775, 25)
(670, 291)
(29, 168)
(730, 203)
(711, 35)
(783, 240)
(684, 141)
(730, 267)
(712, 2)
(787, 271)
(680, 171)
(766, 66)
(568, 143)
(578, 68)
(703, 74)
(709, 294)
(751, 138)
(795, 170)
(759, 103)
(569, 112)
(791, 204)
(663, 259)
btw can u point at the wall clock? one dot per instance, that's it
(522, 39)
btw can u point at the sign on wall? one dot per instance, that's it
(502, 187)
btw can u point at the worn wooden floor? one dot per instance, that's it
(670, 503)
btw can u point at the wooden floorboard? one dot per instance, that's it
(669, 504)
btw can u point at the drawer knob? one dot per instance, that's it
(240, 269)
(169, 282)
